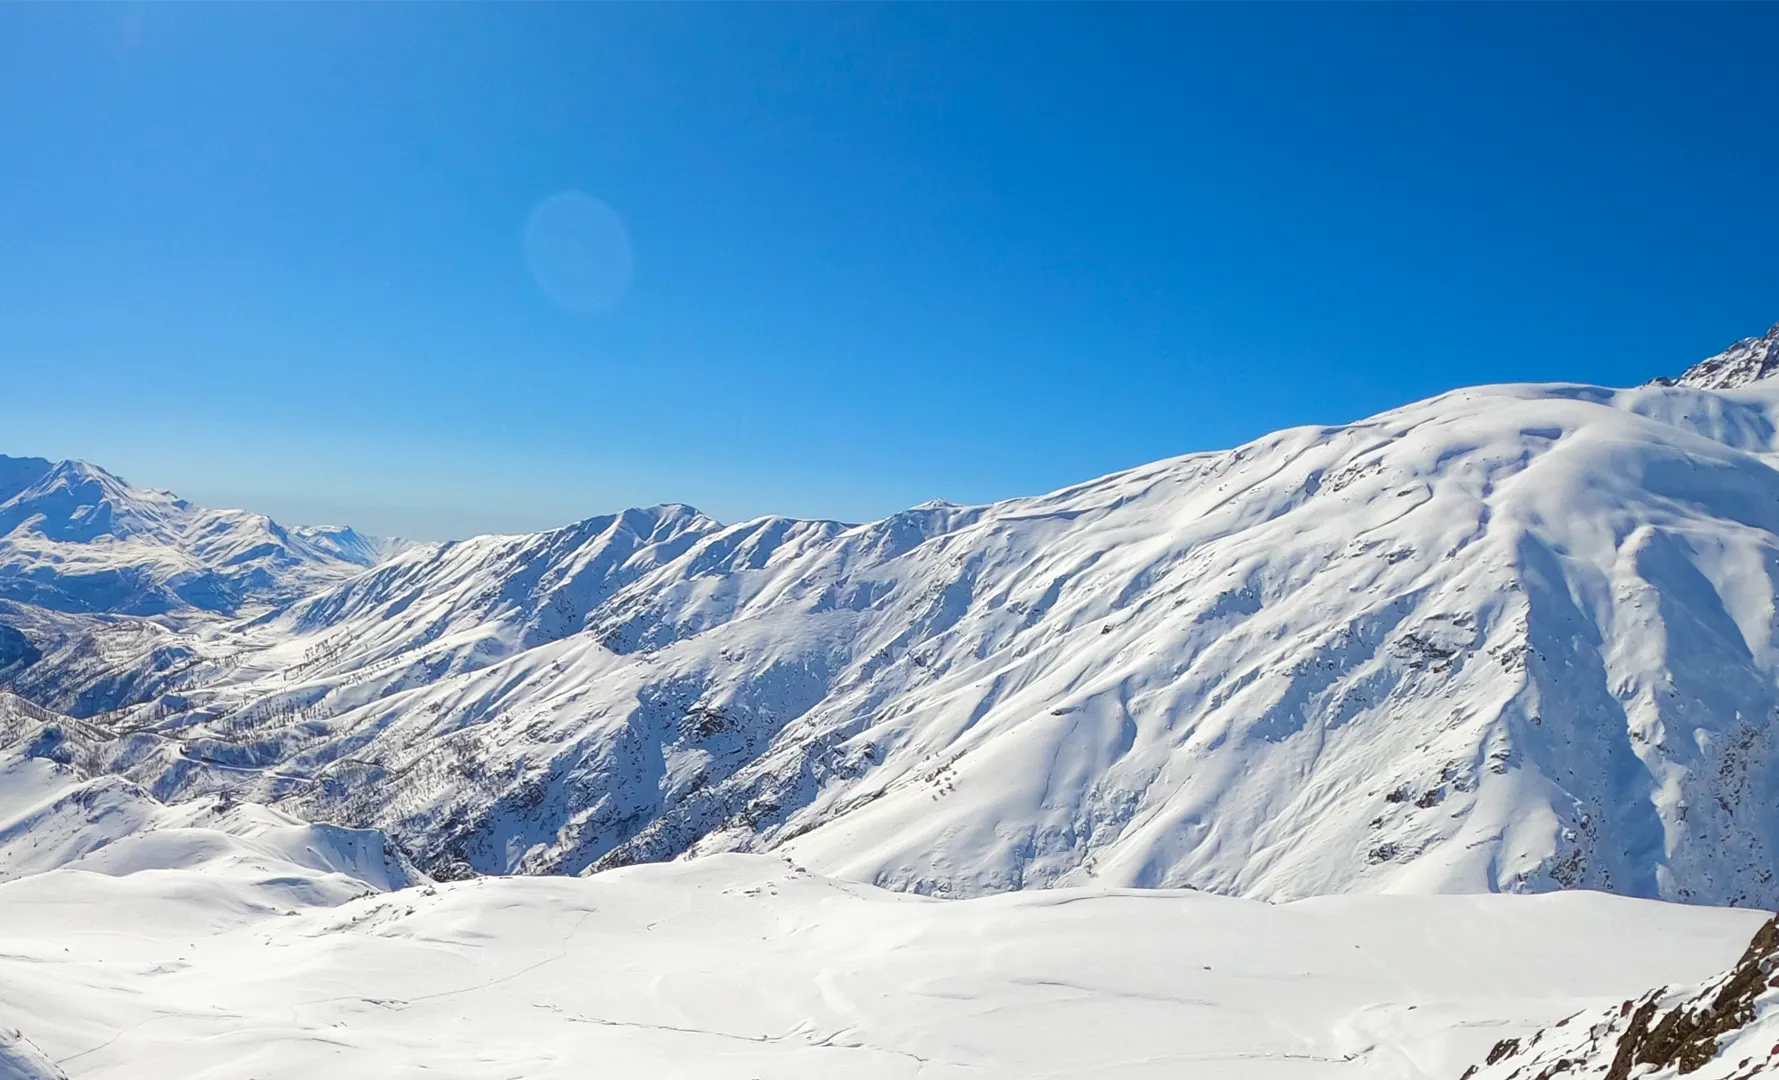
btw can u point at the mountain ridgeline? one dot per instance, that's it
(1511, 638)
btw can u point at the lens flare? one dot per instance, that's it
(578, 252)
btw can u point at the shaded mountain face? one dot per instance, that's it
(1513, 638)
(76, 538)
(16, 651)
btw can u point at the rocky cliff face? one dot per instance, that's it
(1745, 362)
(1725, 1029)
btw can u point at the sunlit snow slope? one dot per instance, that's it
(57, 812)
(1509, 638)
(739, 966)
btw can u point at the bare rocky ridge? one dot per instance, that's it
(1723, 1030)
(1747, 361)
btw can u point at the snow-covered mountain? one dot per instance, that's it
(1509, 638)
(75, 538)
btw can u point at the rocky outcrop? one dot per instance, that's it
(1747, 361)
(1724, 1030)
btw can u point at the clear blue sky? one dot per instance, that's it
(277, 255)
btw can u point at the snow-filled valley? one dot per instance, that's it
(1172, 772)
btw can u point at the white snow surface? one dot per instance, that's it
(208, 941)
(742, 966)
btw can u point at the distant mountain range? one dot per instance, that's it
(74, 537)
(1516, 637)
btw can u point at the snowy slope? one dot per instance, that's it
(82, 663)
(216, 940)
(58, 812)
(20, 1059)
(73, 537)
(740, 966)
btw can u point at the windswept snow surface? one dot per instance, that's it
(740, 966)
(212, 939)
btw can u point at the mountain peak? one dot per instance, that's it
(76, 469)
(1749, 360)
(78, 501)
(76, 537)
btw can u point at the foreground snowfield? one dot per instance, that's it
(222, 939)
(741, 966)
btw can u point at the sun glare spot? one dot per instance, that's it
(578, 252)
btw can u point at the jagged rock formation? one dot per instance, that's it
(1747, 361)
(1723, 1030)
